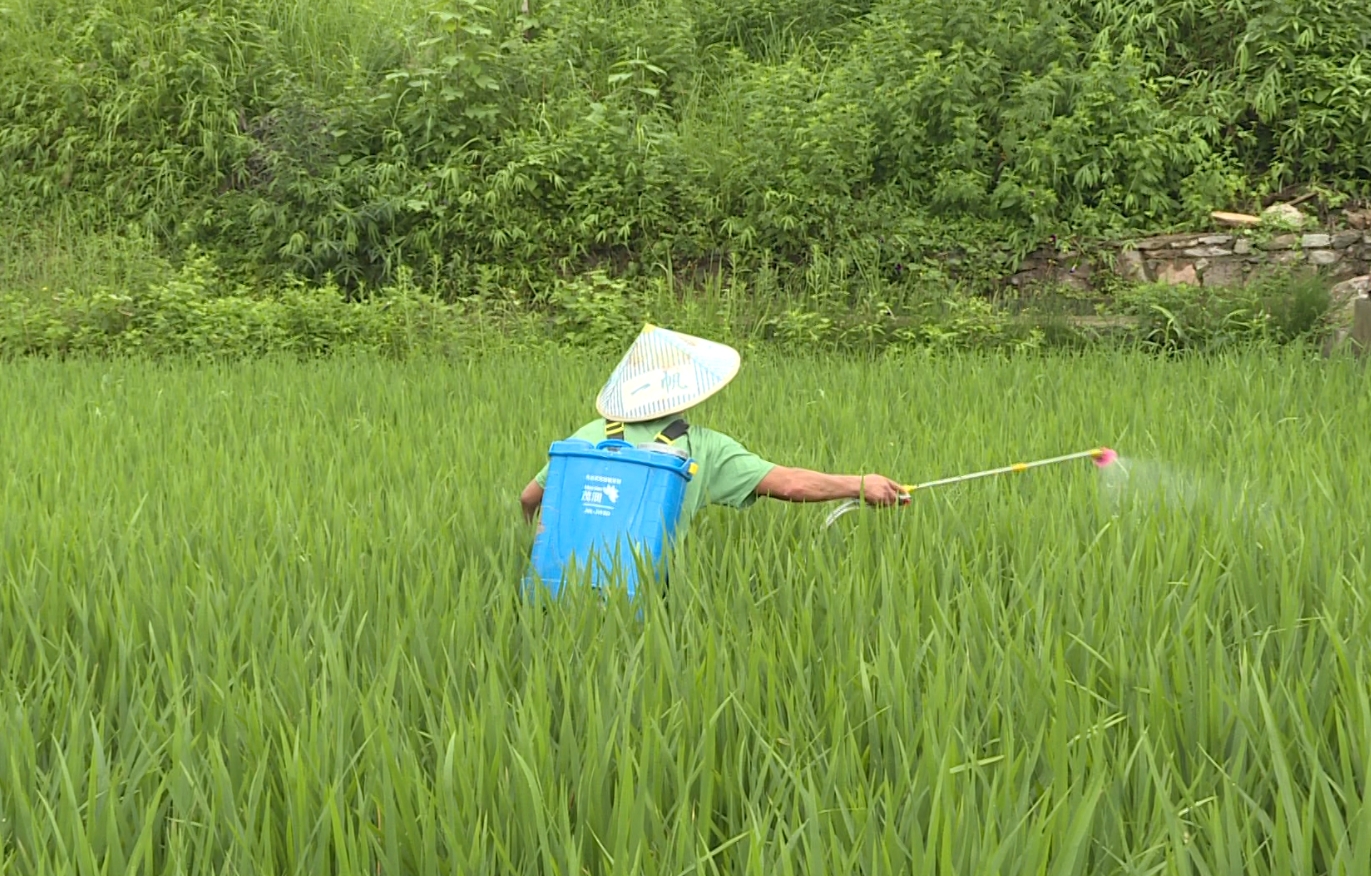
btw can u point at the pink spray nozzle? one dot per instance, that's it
(1105, 456)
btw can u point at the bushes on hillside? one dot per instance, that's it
(479, 148)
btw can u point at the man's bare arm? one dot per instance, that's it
(804, 485)
(785, 483)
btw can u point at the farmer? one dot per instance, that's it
(664, 374)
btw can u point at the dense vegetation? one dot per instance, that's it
(187, 317)
(806, 145)
(262, 619)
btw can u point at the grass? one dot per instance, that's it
(261, 618)
(38, 262)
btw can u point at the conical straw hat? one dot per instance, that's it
(665, 372)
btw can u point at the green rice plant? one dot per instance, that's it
(264, 618)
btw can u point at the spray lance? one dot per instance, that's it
(1102, 457)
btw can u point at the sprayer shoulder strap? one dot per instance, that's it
(673, 430)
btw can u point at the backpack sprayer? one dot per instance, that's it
(610, 510)
(1102, 456)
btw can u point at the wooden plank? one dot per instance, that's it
(1361, 326)
(1241, 220)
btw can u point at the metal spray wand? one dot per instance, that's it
(1102, 456)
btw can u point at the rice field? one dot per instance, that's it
(263, 618)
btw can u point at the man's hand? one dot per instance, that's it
(880, 490)
(531, 499)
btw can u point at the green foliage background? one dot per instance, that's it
(820, 144)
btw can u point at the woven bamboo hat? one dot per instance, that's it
(665, 372)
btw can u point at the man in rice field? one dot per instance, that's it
(663, 375)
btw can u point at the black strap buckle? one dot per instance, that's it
(675, 429)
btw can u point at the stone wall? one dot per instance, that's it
(1205, 258)
(1230, 257)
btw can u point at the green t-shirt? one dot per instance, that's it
(728, 472)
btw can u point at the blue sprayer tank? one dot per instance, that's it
(601, 504)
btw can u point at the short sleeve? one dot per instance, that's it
(732, 473)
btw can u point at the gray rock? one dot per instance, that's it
(1242, 247)
(1177, 274)
(1316, 241)
(1224, 272)
(1075, 281)
(1207, 252)
(1283, 215)
(1215, 239)
(1357, 287)
(1337, 341)
(1344, 239)
(1281, 241)
(1130, 266)
(1323, 257)
(1361, 325)
(1152, 243)
(1287, 257)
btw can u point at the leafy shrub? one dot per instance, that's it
(990, 108)
(594, 311)
(1282, 308)
(184, 318)
(1283, 86)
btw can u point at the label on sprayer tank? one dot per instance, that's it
(599, 494)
